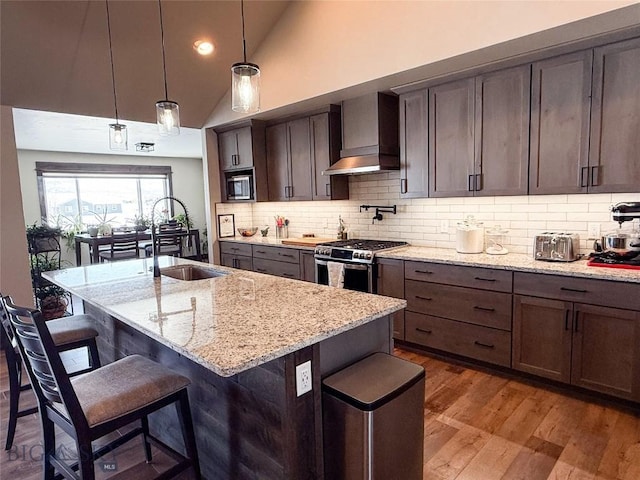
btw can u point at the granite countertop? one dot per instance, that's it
(512, 261)
(229, 323)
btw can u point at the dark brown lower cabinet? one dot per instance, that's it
(390, 282)
(307, 267)
(590, 346)
(236, 261)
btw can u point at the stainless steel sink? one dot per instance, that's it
(191, 272)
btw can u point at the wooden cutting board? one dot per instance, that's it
(306, 241)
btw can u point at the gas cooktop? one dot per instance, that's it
(615, 260)
(355, 250)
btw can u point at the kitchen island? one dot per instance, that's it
(239, 337)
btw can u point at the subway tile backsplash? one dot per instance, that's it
(423, 221)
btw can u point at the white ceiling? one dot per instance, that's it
(57, 132)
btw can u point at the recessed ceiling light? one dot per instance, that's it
(203, 47)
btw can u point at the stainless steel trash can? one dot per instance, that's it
(373, 420)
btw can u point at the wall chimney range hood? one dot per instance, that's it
(369, 136)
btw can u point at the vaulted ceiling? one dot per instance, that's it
(55, 54)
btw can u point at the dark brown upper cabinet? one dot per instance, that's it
(502, 132)
(479, 135)
(560, 108)
(325, 151)
(289, 160)
(414, 147)
(614, 155)
(451, 139)
(241, 150)
(298, 151)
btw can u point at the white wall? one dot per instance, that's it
(319, 47)
(418, 221)
(188, 181)
(15, 279)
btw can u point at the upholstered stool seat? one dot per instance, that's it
(72, 329)
(124, 386)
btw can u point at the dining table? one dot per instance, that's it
(94, 243)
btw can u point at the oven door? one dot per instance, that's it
(356, 276)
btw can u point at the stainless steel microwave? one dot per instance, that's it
(240, 187)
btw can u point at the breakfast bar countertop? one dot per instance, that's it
(229, 323)
(512, 261)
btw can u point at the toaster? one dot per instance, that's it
(556, 247)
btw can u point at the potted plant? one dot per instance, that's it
(43, 237)
(182, 220)
(103, 223)
(141, 222)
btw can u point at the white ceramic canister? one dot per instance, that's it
(470, 236)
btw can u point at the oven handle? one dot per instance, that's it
(347, 266)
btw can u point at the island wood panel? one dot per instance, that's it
(248, 426)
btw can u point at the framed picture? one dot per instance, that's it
(226, 226)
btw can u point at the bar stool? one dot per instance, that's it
(93, 405)
(68, 333)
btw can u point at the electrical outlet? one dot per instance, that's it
(444, 226)
(594, 231)
(303, 378)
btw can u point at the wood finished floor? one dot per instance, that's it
(477, 426)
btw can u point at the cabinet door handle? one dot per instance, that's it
(566, 319)
(484, 309)
(234, 159)
(584, 176)
(422, 330)
(327, 189)
(477, 182)
(576, 290)
(426, 272)
(470, 183)
(484, 345)
(291, 191)
(424, 298)
(485, 279)
(403, 185)
(595, 176)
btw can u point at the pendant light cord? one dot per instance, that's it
(244, 43)
(113, 75)
(164, 63)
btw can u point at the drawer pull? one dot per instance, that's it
(424, 298)
(485, 279)
(285, 254)
(235, 249)
(261, 270)
(260, 251)
(484, 309)
(426, 272)
(422, 330)
(484, 345)
(288, 275)
(576, 290)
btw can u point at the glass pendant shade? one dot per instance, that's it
(117, 136)
(245, 88)
(168, 117)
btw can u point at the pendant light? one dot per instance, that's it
(167, 111)
(117, 131)
(245, 80)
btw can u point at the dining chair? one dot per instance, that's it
(100, 402)
(68, 333)
(169, 239)
(123, 247)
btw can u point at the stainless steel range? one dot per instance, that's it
(359, 259)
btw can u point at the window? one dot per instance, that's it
(90, 194)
